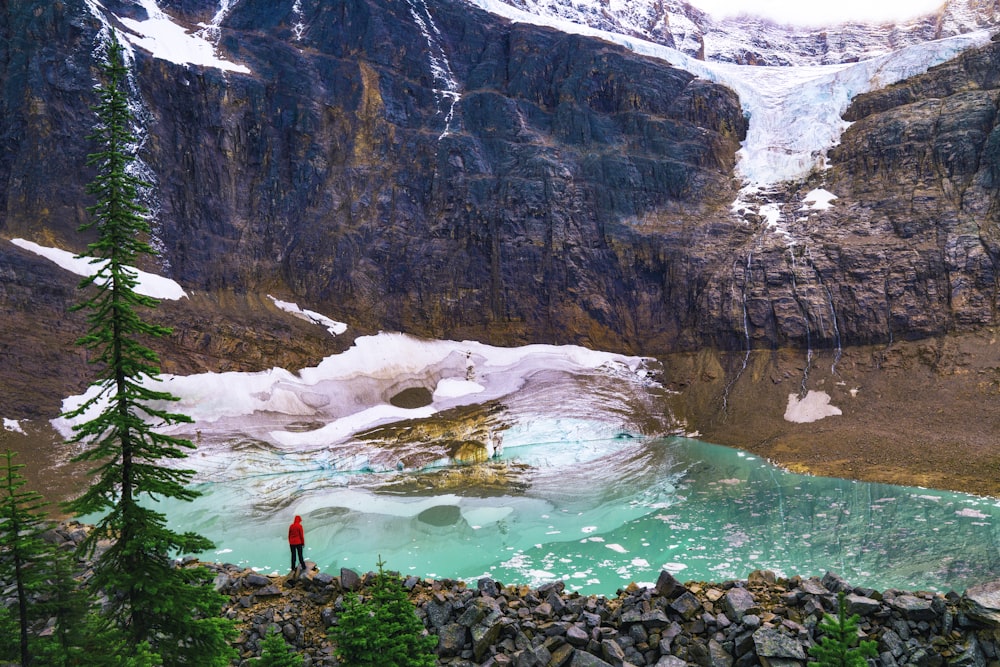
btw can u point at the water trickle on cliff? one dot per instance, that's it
(448, 89)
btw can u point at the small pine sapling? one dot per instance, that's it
(383, 630)
(840, 634)
(21, 526)
(275, 652)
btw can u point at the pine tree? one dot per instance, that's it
(837, 647)
(151, 600)
(21, 525)
(275, 652)
(10, 646)
(79, 637)
(383, 631)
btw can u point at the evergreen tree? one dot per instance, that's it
(10, 646)
(275, 652)
(21, 527)
(837, 647)
(383, 631)
(150, 599)
(79, 637)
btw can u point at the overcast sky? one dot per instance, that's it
(820, 13)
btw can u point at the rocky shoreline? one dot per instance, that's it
(765, 619)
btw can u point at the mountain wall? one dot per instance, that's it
(752, 40)
(427, 167)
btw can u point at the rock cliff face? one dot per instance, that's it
(430, 168)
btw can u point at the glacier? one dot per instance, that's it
(794, 112)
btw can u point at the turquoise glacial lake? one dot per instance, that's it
(602, 513)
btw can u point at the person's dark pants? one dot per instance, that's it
(297, 550)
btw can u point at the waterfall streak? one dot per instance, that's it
(447, 90)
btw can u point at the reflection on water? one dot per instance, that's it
(601, 513)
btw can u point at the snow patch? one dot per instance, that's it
(815, 406)
(817, 200)
(149, 284)
(167, 40)
(335, 328)
(12, 425)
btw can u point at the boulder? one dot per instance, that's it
(349, 579)
(860, 605)
(982, 603)
(913, 608)
(452, 638)
(769, 643)
(668, 586)
(584, 659)
(254, 580)
(737, 602)
(687, 605)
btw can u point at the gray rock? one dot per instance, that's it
(670, 661)
(488, 587)
(835, 583)
(452, 638)
(538, 656)
(439, 613)
(982, 603)
(913, 608)
(718, 656)
(584, 659)
(860, 605)
(485, 633)
(654, 619)
(970, 654)
(255, 580)
(769, 643)
(687, 605)
(612, 652)
(668, 586)
(577, 636)
(349, 579)
(737, 602)
(888, 659)
(890, 642)
(813, 587)
(222, 582)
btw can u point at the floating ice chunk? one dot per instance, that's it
(975, 514)
(481, 516)
(617, 547)
(149, 284)
(815, 406)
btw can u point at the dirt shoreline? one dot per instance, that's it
(921, 414)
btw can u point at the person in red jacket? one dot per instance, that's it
(296, 541)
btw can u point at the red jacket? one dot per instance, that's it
(295, 533)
